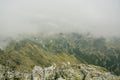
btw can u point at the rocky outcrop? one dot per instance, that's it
(63, 72)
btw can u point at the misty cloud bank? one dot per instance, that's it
(100, 17)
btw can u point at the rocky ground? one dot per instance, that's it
(63, 72)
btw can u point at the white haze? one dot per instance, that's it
(99, 17)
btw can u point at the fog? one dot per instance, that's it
(99, 17)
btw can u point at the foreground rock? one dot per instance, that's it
(64, 72)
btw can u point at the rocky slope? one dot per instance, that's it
(63, 72)
(20, 58)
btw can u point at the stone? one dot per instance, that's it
(63, 72)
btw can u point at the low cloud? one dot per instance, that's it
(100, 17)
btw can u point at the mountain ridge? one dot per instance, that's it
(75, 48)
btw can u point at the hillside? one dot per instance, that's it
(27, 54)
(44, 50)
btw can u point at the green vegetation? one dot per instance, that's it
(60, 48)
(25, 54)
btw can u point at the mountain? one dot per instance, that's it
(47, 49)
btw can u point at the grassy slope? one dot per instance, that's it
(57, 49)
(29, 54)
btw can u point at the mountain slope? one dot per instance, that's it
(26, 54)
(58, 48)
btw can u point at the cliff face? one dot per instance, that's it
(63, 72)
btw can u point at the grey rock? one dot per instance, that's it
(63, 72)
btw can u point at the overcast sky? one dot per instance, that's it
(100, 17)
